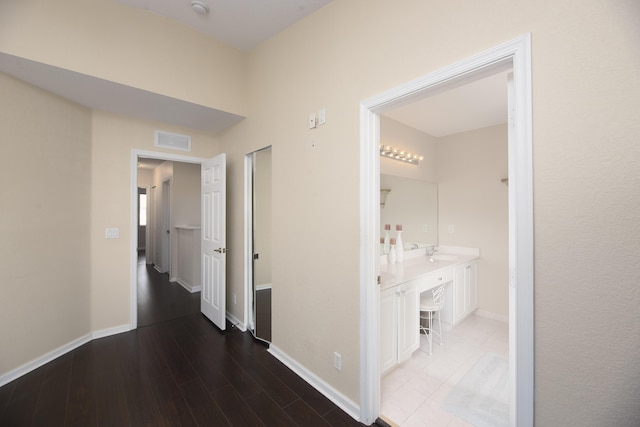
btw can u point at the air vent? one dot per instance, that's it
(172, 141)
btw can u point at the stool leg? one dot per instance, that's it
(430, 331)
(440, 327)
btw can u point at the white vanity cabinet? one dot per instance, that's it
(465, 291)
(399, 324)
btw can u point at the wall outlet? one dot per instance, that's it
(337, 361)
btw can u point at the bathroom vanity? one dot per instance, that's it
(400, 287)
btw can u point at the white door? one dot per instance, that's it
(213, 296)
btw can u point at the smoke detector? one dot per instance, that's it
(199, 7)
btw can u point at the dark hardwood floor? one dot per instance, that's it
(159, 299)
(178, 372)
(263, 314)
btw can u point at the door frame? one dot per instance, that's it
(515, 54)
(133, 255)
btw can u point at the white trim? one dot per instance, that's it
(369, 265)
(110, 331)
(236, 322)
(515, 54)
(133, 203)
(63, 349)
(342, 401)
(48, 357)
(263, 287)
(190, 288)
(248, 240)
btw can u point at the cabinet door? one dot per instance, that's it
(472, 279)
(459, 295)
(447, 315)
(408, 321)
(388, 330)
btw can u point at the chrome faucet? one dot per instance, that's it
(431, 250)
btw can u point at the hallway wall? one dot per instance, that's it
(45, 196)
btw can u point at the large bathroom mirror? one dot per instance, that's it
(413, 203)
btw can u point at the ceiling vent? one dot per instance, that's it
(172, 141)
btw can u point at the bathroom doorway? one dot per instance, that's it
(515, 54)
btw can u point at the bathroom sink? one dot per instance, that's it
(442, 257)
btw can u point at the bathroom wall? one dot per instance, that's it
(473, 200)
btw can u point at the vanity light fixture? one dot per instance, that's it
(398, 154)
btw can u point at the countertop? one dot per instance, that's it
(417, 267)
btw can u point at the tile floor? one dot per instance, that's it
(413, 392)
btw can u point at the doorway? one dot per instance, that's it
(167, 285)
(154, 193)
(515, 54)
(258, 227)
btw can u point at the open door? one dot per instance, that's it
(213, 295)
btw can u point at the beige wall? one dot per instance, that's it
(145, 177)
(45, 191)
(585, 131)
(130, 46)
(399, 135)
(472, 198)
(185, 204)
(586, 128)
(113, 138)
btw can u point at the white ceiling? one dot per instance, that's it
(475, 105)
(245, 24)
(240, 23)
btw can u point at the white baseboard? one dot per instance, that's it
(54, 354)
(189, 287)
(236, 322)
(110, 331)
(263, 287)
(342, 401)
(494, 316)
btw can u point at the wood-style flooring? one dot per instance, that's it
(178, 372)
(159, 299)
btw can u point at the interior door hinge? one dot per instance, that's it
(378, 279)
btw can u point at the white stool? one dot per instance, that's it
(430, 306)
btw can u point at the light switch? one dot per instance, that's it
(322, 117)
(312, 120)
(112, 233)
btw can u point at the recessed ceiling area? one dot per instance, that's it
(243, 24)
(475, 105)
(104, 95)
